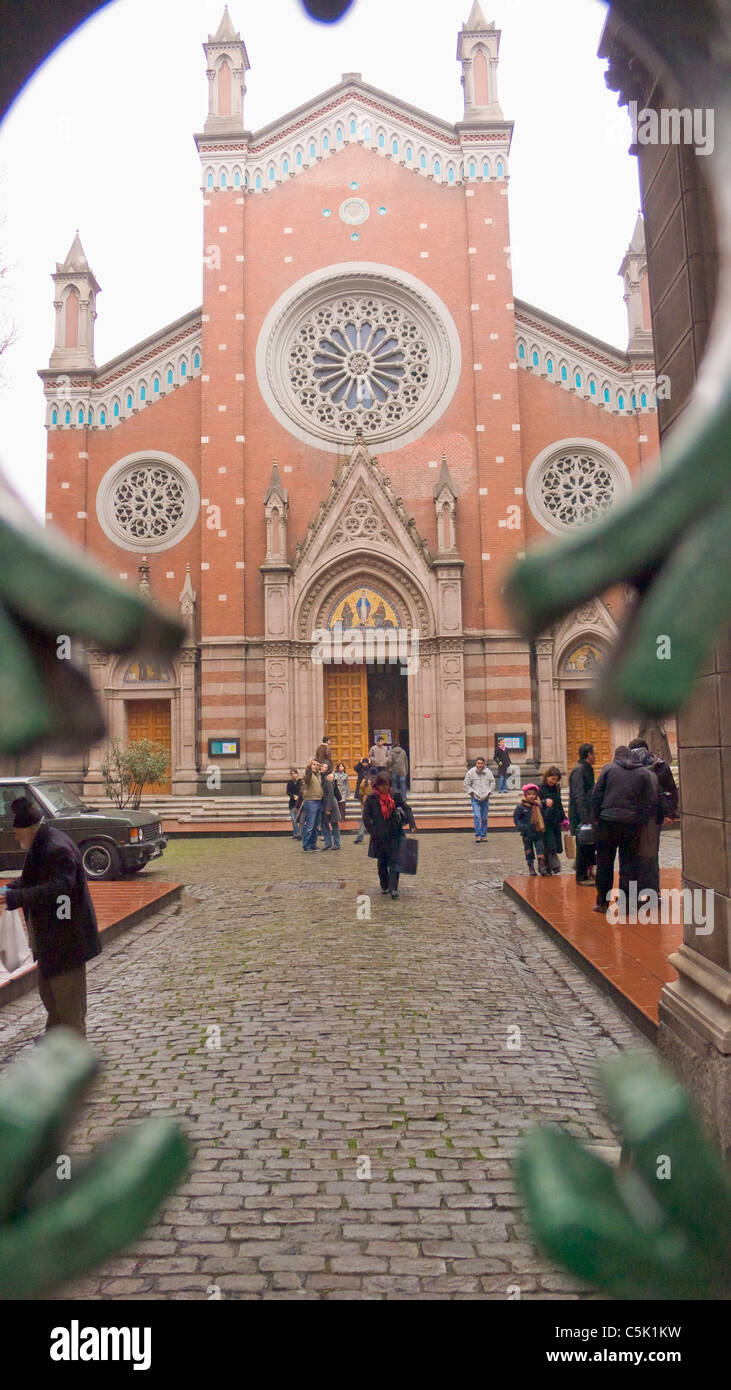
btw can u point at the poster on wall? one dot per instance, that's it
(382, 733)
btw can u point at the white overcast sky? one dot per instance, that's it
(102, 139)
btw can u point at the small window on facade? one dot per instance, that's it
(352, 127)
(577, 381)
(90, 416)
(197, 361)
(500, 168)
(422, 161)
(381, 141)
(437, 168)
(312, 151)
(209, 181)
(549, 365)
(103, 418)
(116, 409)
(634, 401)
(485, 170)
(471, 171)
(366, 131)
(258, 183)
(271, 173)
(339, 133)
(535, 359)
(223, 181)
(285, 166)
(54, 418)
(521, 351)
(643, 400)
(170, 377)
(564, 374)
(451, 176)
(620, 401)
(143, 393)
(183, 369)
(409, 154)
(237, 179)
(394, 147)
(67, 417)
(592, 388)
(325, 143)
(129, 402)
(298, 159)
(606, 394)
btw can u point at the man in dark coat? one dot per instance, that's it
(59, 913)
(648, 868)
(581, 782)
(384, 825)
(624, 800)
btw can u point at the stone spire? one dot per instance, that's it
(75, 305)
(227, 64)
(276, 505)
(636, 292)
(478, 44)
(186, 600)
(445, 504)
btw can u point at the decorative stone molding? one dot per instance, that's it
(147, 502)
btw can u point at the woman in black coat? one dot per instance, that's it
(554, 817)
(384, 815)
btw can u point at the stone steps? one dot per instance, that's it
(274, 808)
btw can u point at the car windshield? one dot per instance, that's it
(59, 795)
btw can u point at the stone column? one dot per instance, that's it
(452, 756)
(695, 1011)
(547, 731)
(98, 664)
(185, 774)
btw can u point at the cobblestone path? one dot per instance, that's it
(354, 1127)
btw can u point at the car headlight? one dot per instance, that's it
(135, 833)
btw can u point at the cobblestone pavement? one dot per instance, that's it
(353, 1130)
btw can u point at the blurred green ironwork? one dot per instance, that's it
(659, 1228)
(55, 1228)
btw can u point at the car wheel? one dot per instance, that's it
(101, 860)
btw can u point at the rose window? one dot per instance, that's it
(358, 348)
(147, 503)
(359, 364)
(576, 488)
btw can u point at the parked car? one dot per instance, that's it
(113, 843)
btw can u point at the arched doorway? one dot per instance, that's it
(365, 691)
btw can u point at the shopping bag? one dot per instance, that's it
(407, 856)
(15, 953)
(569, 845)
(585, 835)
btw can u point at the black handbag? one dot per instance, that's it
(585, 835)
(407, 856)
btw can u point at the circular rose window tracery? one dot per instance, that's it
(147, 503)
(574, 482)
(382, 357)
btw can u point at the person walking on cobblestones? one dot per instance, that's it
(554, 817)
(398, 766)
(581, 782)
(62, 926)
(311, 805)
(528, 818)
(294, 792)
(330, 809)
(479, 783)
(384, 816)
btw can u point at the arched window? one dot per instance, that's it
(534, 358)
(521, 352)
(339, 133)
(422, 161)
(71, 324)
(549, 365)
(224, 183)
(606, 395)
(246, 179)
(500, 169)
(81, 415)
(634, 401)
(170, 376)
(577, 381)
(54, 418)
(325, 142)
(143, 393)
(209, 181)
(103, 417)
(437, 168)
(237, 179)
(394, 147)
(312, 151)
(197, 361)
(592, 387)
(224, 89)
(564, 374)
(156, 385)
(271, 173)
(258, 183)
(409, 154)
(485, 169)
(381, 140)
(90, 416)
(298, 157)
(67, 417)
(129, 400)
(451, 174)
(366, 131)
(643, 400)
(285, 165)
(352, 127)
(620, 401)
(183, 368)
(115, 412)
(471, 170)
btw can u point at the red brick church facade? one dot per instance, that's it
(358, 327)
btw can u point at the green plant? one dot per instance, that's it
(127, 771)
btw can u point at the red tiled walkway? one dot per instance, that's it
(630, 960)
(118, 905)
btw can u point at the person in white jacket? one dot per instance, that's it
(479, 783)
